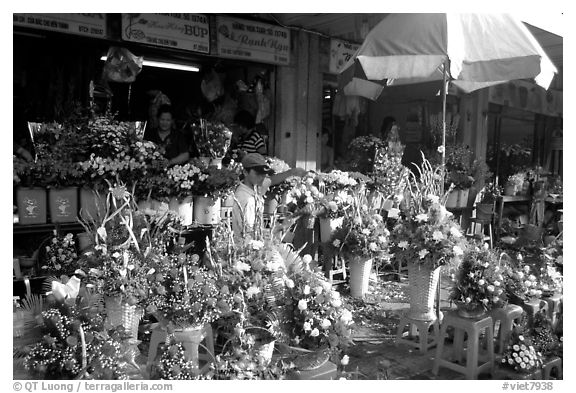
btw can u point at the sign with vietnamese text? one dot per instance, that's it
(178, 31)
(93, 25)
(247, 40)
(340, 53)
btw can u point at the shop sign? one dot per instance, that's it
(340, 53)
(178, 31)
(527, 96)
(93, 25)
(247, 40)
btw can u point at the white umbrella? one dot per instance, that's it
(472, 50)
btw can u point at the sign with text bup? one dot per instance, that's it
(248, 40)
(93, 25)
(340, 53)
(179, 31)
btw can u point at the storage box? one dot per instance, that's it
(63, 204)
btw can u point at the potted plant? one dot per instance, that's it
(212, 186)
(487, 204)
(520, 354)
(478, 285)
(459, 174)
(514, 183)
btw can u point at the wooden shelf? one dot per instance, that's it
(45, 228)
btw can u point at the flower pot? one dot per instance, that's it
(228, 201)
(207, 210)
(85, 241)
(92, 205)
(423, 282)
(183, 208)
(31, 205)
(457, 199)
(510, 190)
(484, 211)
(328, 226)
(63, 204)
(120, 313)
(360, 269)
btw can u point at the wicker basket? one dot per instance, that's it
(360, 269)
(120, 313)
(423, 282)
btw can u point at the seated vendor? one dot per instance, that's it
(168, 138)
(248, 207)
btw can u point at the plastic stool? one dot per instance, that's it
(159, 336)
(505, 318)
(553, 364)
(473, 328)
(483, 223)
(533, 306)
(423, 328)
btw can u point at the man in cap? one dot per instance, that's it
(249, 195)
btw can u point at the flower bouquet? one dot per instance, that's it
(520, 355)
(362, 152)
(335, 180)
(211, 138)
(215, 183)
(60, 255)
(303, 200)
(521, 286)
(479, 284)
(336, 205)
(183, 178)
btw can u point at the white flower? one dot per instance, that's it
(335, 295)
(468, 300)
(315, 332)
(471, 275)
(306, 290)
(523, 347)
(372, 246)
(422, 217)
(382, 239)
(252, 291)
(403, 244)
(433, 198)
(441, 149)
(485, 301)
(516, 347)
(344, 361)
(481, 282)
(528, 283)
(256, 244)
(366, 231)
(346, 316)
(490, 288)
(241, 266)
(496, 283)
(455, 232)
(336, 303)
(499, 291)
(519, 257)
(289, 283)
(520, 275)
(514, 354)
(437, 236)
(307, 326)
(423, 253)
(307, 259)
(457, 251)
(325, 324)
(326, 285)
(336, 243)
(526, 269)
(510, 361)
(532, 277)
(302, 305)
(495, 299)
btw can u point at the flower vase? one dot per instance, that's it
(217, 162)
(423, 282)
(63, 204)
(467, 312)
(328, 226)
(92, 205)
(190, 337)
(31, 205)
(120, 313)
(270, 205)
(183, 208)
(207, 210)
(360, 269)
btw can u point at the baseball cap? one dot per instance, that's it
(257, 162)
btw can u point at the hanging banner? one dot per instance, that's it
(180, 31)
(93, 25)
(527, 96)
(247, 40)
(340, 53)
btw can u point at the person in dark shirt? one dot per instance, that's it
(249, 140)
(168, 138)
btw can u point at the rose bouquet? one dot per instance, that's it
(478, 283)
(60, 255)
(304, 198)
(211, 138)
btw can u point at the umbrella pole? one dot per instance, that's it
(444, 88)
